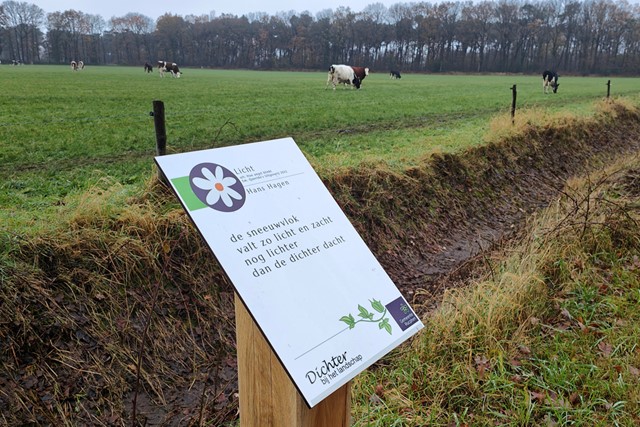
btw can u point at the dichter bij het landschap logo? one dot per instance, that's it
(398, 309)
(217, 187)
(331, 368)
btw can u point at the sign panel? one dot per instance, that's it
(322, 300)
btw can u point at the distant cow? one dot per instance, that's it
(549, 79)
(169, 67)
(148, 68)
(75, 66)
(394, 74)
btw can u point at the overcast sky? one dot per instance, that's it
(156, 8)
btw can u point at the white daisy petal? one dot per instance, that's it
(228, 181)
(226, 199)
(234, 194)
(208, 174)
(213, 197)
(202, 183)
(219, 173)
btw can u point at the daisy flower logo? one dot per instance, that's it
(217, 187)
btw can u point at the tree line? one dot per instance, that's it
(583, 37)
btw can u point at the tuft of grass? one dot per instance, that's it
(548, 337)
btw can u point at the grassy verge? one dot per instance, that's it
(549, 336)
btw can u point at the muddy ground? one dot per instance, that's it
(484, 197)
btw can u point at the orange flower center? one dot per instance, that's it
(219, 186)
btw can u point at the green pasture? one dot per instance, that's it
(61, 131)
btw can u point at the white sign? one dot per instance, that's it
(324, 303)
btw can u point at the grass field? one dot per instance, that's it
(61, 130)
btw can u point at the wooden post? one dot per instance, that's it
(608, 88)
(513, 104)
(161, 134)
(268, 397)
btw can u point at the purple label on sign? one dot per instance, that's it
(402, 313)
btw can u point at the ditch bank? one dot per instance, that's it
(429, 226)
(124, 313)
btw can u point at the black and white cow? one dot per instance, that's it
(550, 79)
(347, 75)
(75, 66)
(342, 74)
(394, 74)
(169, 67)
(148, 68)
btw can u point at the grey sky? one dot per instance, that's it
(155, 8)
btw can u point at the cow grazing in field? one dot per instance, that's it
(148, 68)
(346, 74)
(361, 72)
(549, 79)
(394, 74)
(169, 67)
(342, 74)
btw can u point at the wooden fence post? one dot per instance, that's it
(608, 88)
(513, 104)
(268, 397)
(161, 134)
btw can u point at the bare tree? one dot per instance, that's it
(132, 38)
(74, 35)
(476, 31)
(22, 22)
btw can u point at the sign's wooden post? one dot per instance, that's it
(267, 395)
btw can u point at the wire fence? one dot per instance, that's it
(137, 117)
(142, 121)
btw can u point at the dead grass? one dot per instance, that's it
(544, 338)
(112, 274)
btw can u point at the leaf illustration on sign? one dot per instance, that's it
(368, 316)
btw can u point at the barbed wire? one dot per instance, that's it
(135, 117)
(148, 114)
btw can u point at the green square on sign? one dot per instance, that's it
(183, 187)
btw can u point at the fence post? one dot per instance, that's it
(161, 134)
(513, 104)
(608, 88)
